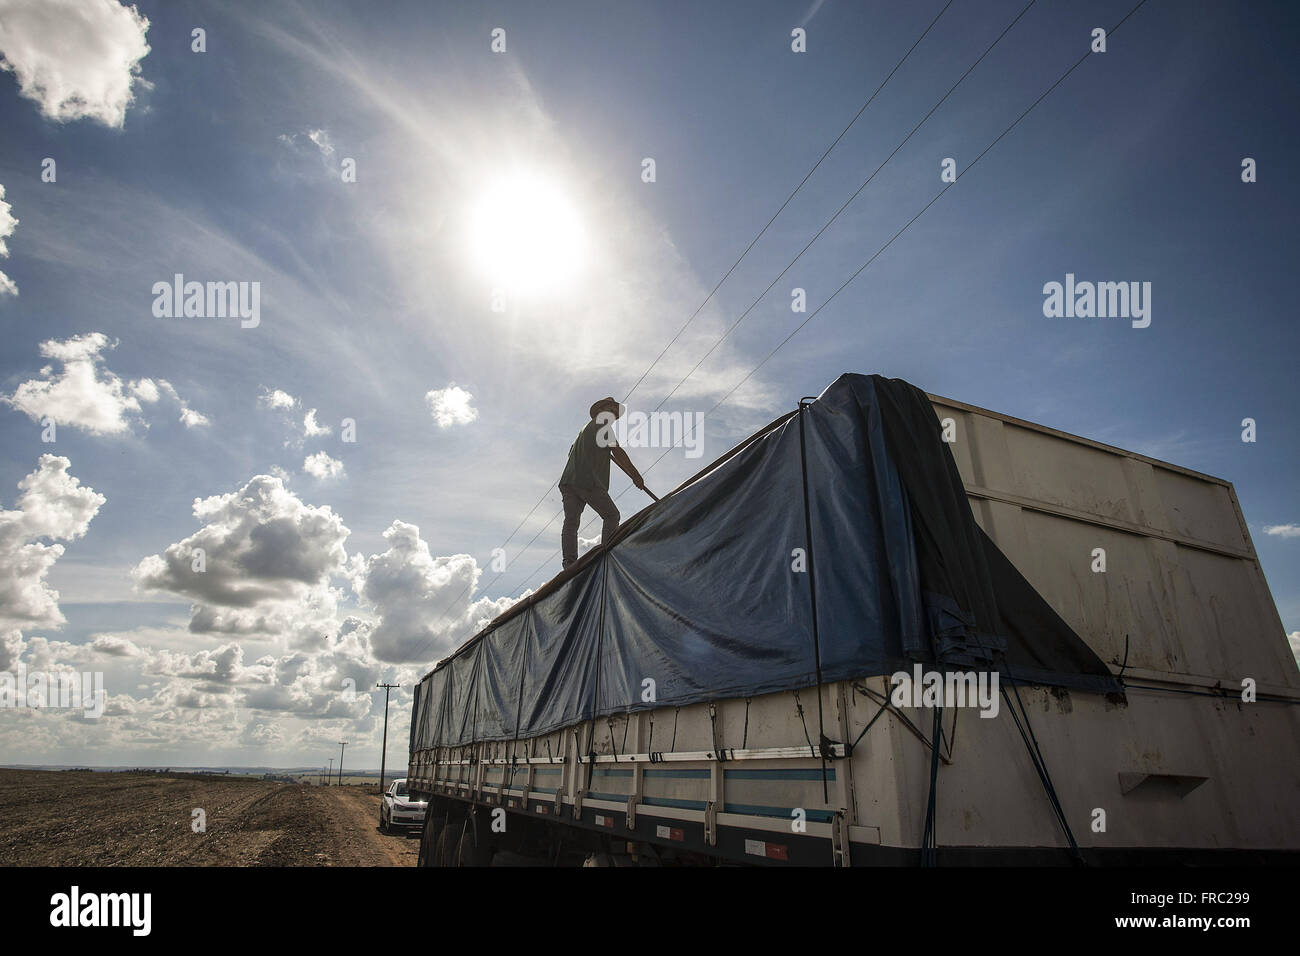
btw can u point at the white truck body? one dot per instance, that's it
(1180, 767)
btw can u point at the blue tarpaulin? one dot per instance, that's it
(707, 594)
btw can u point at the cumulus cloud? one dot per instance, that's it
(85, 394)
(451, 406)
(1283, 530)
(275, 398)
(310, 427)
(260, 554)
(289, 660)
(425, 603)
(53, 506)
(281, 401)
(115, 646)
(322, 466)
(328, 682)
(192, 419)
(1294, 640)
(7, 226)
(77, 59)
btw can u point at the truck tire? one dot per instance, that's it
(468, 853)
(429, 841)
(448, 842)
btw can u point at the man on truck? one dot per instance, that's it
(586, 476)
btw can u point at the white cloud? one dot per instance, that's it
(54, 506)
(115, 646)
(189, 417)
(192, 419)
(310, 428)
(275, 398)
(321, 138)
(1283, 530)
(78, 59)
(87, 395)
(322, 466)
(451, 406)
(425, 604)
(281, 401)
(1294, 640)
(267, 560)
(7, 226)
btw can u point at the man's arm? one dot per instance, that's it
(623, 461)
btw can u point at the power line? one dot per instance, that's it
(706, 301)
(806, 247)
(866, 182)
(810, 242)
(805, 179)
(815, 237)
(880, 250)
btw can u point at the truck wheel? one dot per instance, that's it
(448, 841)
(427, 855)
(467, 854)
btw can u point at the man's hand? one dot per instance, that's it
(624, 462)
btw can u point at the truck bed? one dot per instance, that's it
(1177, 767)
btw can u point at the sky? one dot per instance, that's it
(466, 222)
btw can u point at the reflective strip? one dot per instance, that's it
(771, 851)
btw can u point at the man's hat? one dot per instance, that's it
(608, 403)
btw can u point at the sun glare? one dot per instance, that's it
(525, 235)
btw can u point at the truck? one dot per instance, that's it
(890, 628)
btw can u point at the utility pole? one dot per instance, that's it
(342, 746)
(383, 756)
(330, 775)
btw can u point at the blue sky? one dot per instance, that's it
(226, 165)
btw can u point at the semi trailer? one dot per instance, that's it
(889, 628)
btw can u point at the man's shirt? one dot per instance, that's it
(588, 465)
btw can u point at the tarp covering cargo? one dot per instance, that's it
(708, 593)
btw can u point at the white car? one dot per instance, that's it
(400, 809)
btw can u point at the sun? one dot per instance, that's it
(526, 235)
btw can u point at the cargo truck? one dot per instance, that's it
(889, 628)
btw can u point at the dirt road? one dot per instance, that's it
(117, 819)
